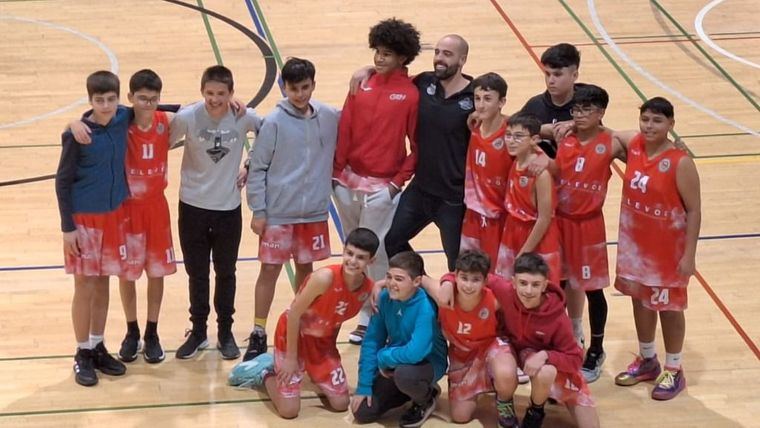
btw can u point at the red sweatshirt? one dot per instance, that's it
(373, 128)
(546, 328)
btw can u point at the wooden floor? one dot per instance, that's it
(633, 48)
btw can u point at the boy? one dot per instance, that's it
(90, 187)
(561, 63)
(289, 188)
(485, 181)
(479, 361)
(403, 354)
(210, 220)
(371, 160)
(660, 218)
(306, 332)
(530, 202)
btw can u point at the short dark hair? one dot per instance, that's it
(398, 36)
(297, 70)
(101, 82)
(531, 263)
(145, 79)
(591, 95)
(473, 261)
(363, 239)
(408, 261)
(527, 121)
(491, 82)
(658, 105)
(561, 55)
(218, 73)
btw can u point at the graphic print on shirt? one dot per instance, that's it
(219, 139)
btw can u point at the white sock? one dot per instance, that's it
(577, 327)
(95, 340)
(647, 349)
(84, 345)
(673, 361)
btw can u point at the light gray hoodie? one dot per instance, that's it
(291, 163)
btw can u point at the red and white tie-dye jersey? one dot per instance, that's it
(146, 161)
(485, 180)
(584, 171)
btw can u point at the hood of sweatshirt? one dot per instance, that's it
(532, 326)
(291, 110)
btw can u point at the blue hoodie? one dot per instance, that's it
(401, 333)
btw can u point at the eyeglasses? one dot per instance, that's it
(582, 111)
(516, 137)
(146, 100)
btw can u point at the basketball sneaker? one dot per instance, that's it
(153, 352)
(534, 417)
(196, 340)
(130, 346)
(522, 378)
(251, 374)
(505, 414)
(640, 370)
(84, 368)
(419, 413)
(106, 363)
(357, 336)
(257, 344)
(669, 384)
(226, 345)
(592, 366)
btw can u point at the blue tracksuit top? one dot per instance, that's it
(401, 333)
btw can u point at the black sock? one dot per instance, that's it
(133, 329)
(151, 328)
(538, 407)
(597, 315)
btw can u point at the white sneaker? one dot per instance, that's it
(522, 378)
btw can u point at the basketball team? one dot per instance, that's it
(517, 199)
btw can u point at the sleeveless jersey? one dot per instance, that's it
(519, 199)
(584, 171)
(469, 332)
(146, 162)
(328, 311)
(485, 181)
(652, 219)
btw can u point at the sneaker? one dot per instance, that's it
(195, 341)
(357, 336)
(153, 352)
(226, 345)
(592, 366)
(506, 416)
(534, 417)
(522, 378)
(107, 364)
(130, 346)
(257, 345)
(669, 384)
(641, 369)
(418, 413)
(84, 368)
(250, 374)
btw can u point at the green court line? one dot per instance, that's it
(142, 407)
(210, 33)
(29, 146)
(725, 134)
(270, 37)
(738, 155)
(611, 60)
(707, 55)
(674, 36)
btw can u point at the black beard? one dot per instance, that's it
(447, 73)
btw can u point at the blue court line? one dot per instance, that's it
(253, 259)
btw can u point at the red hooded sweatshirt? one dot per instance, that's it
(545, 328)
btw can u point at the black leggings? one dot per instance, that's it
(597, 316)
(409, 382)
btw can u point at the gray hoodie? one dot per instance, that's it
(290, 168)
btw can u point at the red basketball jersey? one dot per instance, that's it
(469, 332)
(584, 171)
(327, 312)
(146, 162)
(652, 219)
(485, 180)
(520, 201)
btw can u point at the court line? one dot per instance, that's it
(724, 134)
(704, 53)
(643, 72)
(114, 63)
(718, 302)
(647, 42)
(699, 26)
(654, 36)
(210, 33)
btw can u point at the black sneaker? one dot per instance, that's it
(226, 345)
(106, 363)
(356, 337)
(195, 341)
(534, 417)
(84, 368)
(153, 352)
(418, 413)
(257, 345)
(130, 346)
